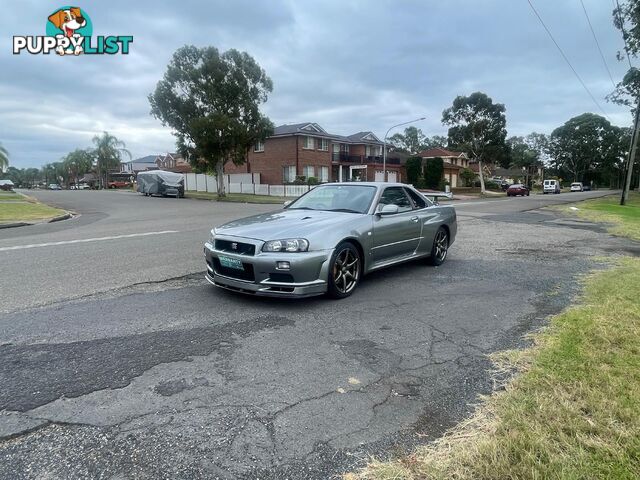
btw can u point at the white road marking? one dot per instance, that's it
(85, 240)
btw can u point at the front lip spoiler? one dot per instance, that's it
(241, 287)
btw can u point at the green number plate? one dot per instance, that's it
(230, 262)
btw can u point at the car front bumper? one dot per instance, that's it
(307, 274)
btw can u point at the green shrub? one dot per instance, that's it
(433, 172)
(312, 181)
(413, 166)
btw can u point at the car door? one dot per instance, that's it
(396, 235)
(430, 218)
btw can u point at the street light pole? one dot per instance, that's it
(384, 148)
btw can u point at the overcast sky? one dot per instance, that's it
(348, 65)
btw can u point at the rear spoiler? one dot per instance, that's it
(435, 196)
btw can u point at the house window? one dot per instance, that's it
(288, 173)
(372, 151)
(308, 143)
(324, 174)
(309, 171)
(259, 146)
(323, 144)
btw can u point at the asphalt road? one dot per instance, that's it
(117, 359)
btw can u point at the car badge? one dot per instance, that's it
(234, 246)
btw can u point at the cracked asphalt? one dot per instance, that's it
(117, 359)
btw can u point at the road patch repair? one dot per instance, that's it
(17, 210)
(571, 410)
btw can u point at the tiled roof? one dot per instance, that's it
(438, 152)
(299, 129)
(146, 159)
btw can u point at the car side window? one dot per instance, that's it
(395, 196)
(418, 201)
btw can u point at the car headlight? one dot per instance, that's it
(286, 245)
(212, 237)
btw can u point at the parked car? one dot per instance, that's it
(160, 182)
(517, 189)
(80, 186)
(326, 240)
(54, 186)
(551, 186)
(118, 184)
(586, 188)
(576, 187)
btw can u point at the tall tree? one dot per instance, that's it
(413, 141)
(108, 152)
(4, 158)
(588, 147)
(212, 102)
(523, 155)
(478, 127)
(436, 141)
(78, 163)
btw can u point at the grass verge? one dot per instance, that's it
(572, 411)
(11, 197)
(25, 209)
(623, 221)
(237, 197)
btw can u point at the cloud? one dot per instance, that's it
(349, 65)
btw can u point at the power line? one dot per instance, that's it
(593, 32)
(584, 85)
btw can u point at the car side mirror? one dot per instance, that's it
(287, 203)
(388, 210)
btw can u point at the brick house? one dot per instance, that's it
(306, 149)
(173, 162)
(453, 162)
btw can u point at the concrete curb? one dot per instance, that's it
(12, 225)
(59, 218)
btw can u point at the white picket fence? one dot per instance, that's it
(242, 183)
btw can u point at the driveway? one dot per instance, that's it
(117, 360)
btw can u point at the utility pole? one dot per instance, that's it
(632, 156)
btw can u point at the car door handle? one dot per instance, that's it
(414, 219)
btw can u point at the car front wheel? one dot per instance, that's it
(439, 248)
(345, 270)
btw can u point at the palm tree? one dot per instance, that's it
(108, 153)
(4, 158)
(78, 163)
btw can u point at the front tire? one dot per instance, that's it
(345, 271)
(439, 248)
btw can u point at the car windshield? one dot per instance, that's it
(576, 184)
(336, 198)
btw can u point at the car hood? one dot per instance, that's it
(286, 224)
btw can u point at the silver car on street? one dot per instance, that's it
(326, 240)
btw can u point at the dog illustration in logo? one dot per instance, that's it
(68, 20)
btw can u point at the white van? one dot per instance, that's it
(551, 186)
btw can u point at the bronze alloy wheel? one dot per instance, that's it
(440, 247)
(345, 271)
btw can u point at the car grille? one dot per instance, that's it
(246, 274)
(241, 248)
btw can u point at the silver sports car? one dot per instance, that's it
(327, 239)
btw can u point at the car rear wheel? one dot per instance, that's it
(439, 248)
(345, 270)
